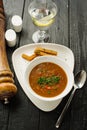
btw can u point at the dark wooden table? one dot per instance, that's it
(70, 29)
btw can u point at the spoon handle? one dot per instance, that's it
(59, 121)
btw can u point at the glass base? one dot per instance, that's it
(40, 37)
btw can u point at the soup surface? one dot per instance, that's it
(48, 79)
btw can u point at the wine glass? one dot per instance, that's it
(43, 14)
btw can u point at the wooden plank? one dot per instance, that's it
(4, 109)
(78, 18)
(44, 120)
(59, 35)
(22, 112)
(78, 43)
(28, 27)
(59, 32)
(11, 8)
(3, 116)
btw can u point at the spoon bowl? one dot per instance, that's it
(80, 79)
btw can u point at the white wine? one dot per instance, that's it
(43, 18)
(43, 13)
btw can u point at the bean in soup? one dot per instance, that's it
(48, 79)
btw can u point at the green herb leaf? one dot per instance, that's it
(52, 80)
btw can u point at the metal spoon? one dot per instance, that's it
(80, 79)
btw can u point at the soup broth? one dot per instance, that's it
(48, 79)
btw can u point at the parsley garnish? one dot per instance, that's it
(52, 80)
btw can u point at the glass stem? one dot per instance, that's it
(42, 35)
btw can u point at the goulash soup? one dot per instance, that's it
(48, 79)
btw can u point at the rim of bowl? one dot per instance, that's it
(57, 61)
